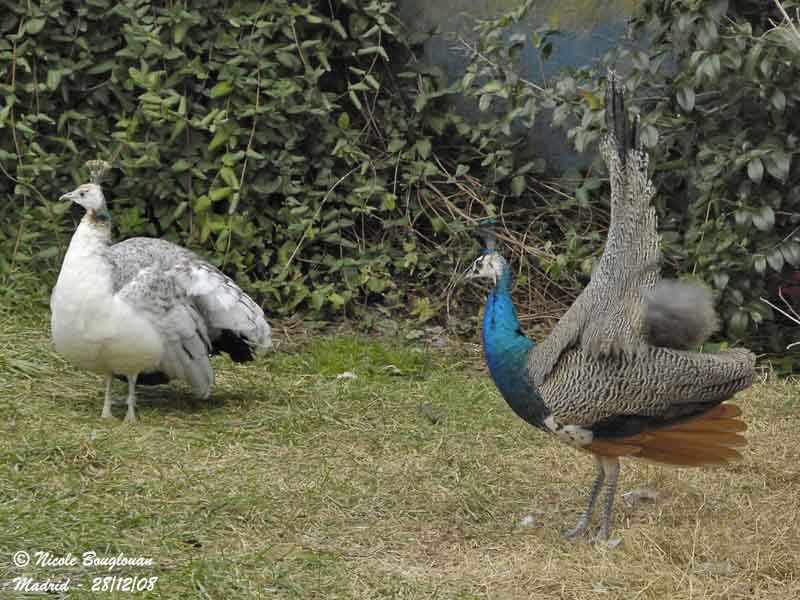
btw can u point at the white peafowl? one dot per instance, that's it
(146, 309)
(615, 377)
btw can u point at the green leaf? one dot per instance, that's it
(374, 50)
(778, 100)
(720, 280)
(738, 322)
(764, 219)
(223, 88)
(686, 98)
(423, 148)
(34, 26)
(396, 145)
(760, 264)
(649, 136)
(354, 99)
(791, 253)
(389, 201)
(180, 166)
(775, 260)
(179, 33)
(229, 177)
(339, 28)
(53, 78)
(377, 284)
(755, 170)
(219, 138)
(493, 87)
(742, 217)
(103, 67)
(201, 204)
(343, 121)
(337, 300)
(778, 164)
(220, 194)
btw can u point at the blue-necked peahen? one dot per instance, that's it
(616, 377)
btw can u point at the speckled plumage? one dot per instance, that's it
(606, 334)
(614, 376)
(147, 309)
(647, 381)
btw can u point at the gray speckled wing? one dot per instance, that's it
(607, 318)
(133, 255)
(222, 304)
(584, 389)
(160, 296)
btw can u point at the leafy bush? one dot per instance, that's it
(270, 135)
(305, 149)
(715, 83)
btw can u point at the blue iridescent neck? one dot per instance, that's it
(506, 349)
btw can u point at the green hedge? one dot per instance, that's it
(271, 135)
(306, 150)
(716, 85)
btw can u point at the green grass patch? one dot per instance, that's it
(407, 481)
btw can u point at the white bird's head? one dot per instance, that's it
(489, 265)
(89, 196)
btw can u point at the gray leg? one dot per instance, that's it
(106, 414)
(611, 467)
(583, 522)
(130, 416)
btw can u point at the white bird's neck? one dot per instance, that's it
(91, 236)
(86, 255)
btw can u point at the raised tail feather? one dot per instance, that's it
(624, 133)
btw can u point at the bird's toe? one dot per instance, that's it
(577, 531)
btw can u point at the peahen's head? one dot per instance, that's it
(489, 265)
(89, 196)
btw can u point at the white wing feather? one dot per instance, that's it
(222, 304)
(160, 297)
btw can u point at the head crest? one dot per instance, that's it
(487, 229)
(98, 169)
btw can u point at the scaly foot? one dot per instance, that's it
(579, 529)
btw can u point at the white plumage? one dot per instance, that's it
(146, 309)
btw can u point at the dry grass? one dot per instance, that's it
(293, 484)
